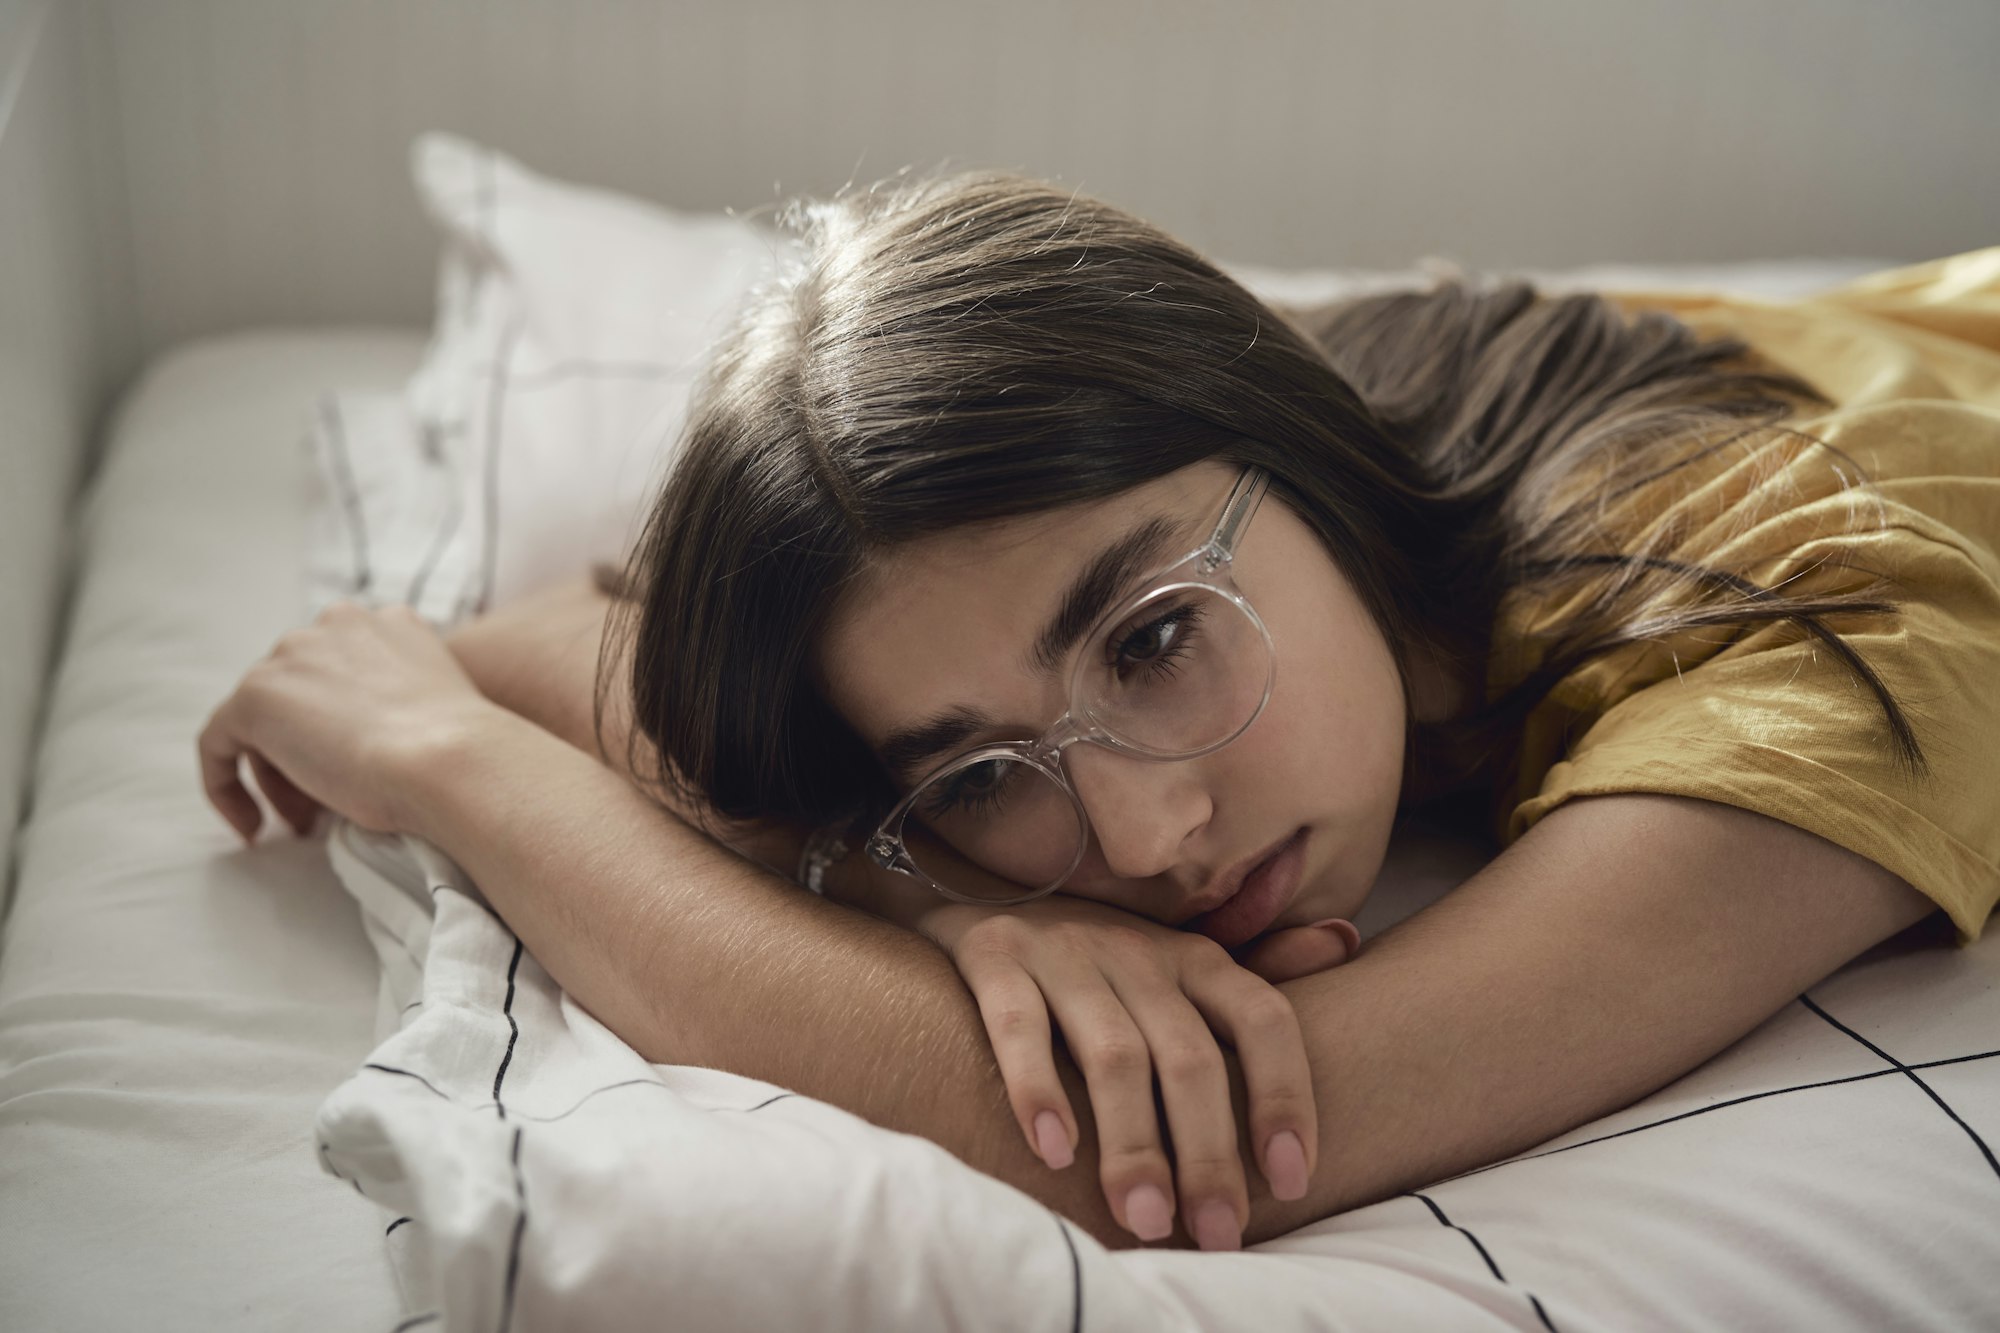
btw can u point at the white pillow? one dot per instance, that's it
(570, 326)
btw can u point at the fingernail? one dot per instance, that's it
(1285, 1165)
(1215, 1227)
(1146, 1213)
(1051, 1141)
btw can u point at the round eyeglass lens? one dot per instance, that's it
(1006, 815)
(1184, 671)
(1181, 672)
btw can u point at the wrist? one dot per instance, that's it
(426, 765)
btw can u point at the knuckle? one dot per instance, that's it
(1011, 1021)
(1205, 1170)
(1097, 937)
(1126, 941)
(999, 934)
(1282, 1106)
(1189, 1060)
(1270, 1014)
(1122, 1166)
(1118, 1055)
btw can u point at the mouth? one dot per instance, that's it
(1263, 891)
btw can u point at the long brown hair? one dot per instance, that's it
(972, 347)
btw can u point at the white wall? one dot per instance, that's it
(58, 353)
(263, 140)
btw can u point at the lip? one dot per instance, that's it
(1257, 893)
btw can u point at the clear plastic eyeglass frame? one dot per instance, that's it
(1206, 567)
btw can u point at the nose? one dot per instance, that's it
(1142, 812)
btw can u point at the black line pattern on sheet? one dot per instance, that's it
(1075, 1277)
(519, 1114)
(514, 1245)
(513, 1029)
(441, 541)
(1911, 1074)
(398, 1222)
(415, 1320)
(1718, 1106)
(1491, 1267)
(350, 490)
(407, 1073)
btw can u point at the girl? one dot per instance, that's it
(1027, 584)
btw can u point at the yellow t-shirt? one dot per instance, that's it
(1772, 722)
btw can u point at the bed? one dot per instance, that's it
(178, 1015)
(229, 1099)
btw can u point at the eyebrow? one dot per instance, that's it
(1087, 598)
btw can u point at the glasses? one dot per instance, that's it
(1176, 671)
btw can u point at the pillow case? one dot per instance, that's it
(570, 326)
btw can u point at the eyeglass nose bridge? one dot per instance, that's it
(1067, 731)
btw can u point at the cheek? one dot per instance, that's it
(1332, 736)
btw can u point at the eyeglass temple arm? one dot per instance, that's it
(1242, 503)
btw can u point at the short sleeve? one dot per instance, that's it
(1775, 723)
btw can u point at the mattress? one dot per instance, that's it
(173, 1007)
(175, 1010)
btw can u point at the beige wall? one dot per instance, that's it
(263, 140)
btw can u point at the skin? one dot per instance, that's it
(946, 621)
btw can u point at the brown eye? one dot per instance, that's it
(1156, 643)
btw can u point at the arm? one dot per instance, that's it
(1621, 942)
(537, 657)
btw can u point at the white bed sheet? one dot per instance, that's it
(173, 1008)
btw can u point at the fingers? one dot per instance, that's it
(1017, 1023)
(1118, 1065)
(294, 806)
(1194, 1090)
(1117, 1068)
(1260, 1023)
(219, 748)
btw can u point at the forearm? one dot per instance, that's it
(696, 956)
(537, 657)
(1536, 997)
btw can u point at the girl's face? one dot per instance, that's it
(948, 623)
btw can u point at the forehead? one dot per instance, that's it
(950, 620)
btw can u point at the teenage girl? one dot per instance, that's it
(1079, 628)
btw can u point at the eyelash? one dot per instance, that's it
(1187, 614)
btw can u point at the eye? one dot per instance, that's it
(975, 787)
(1156, 644)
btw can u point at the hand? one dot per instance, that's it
(336, 717)
(1132, 997)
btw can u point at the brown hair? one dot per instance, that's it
(972, 347)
